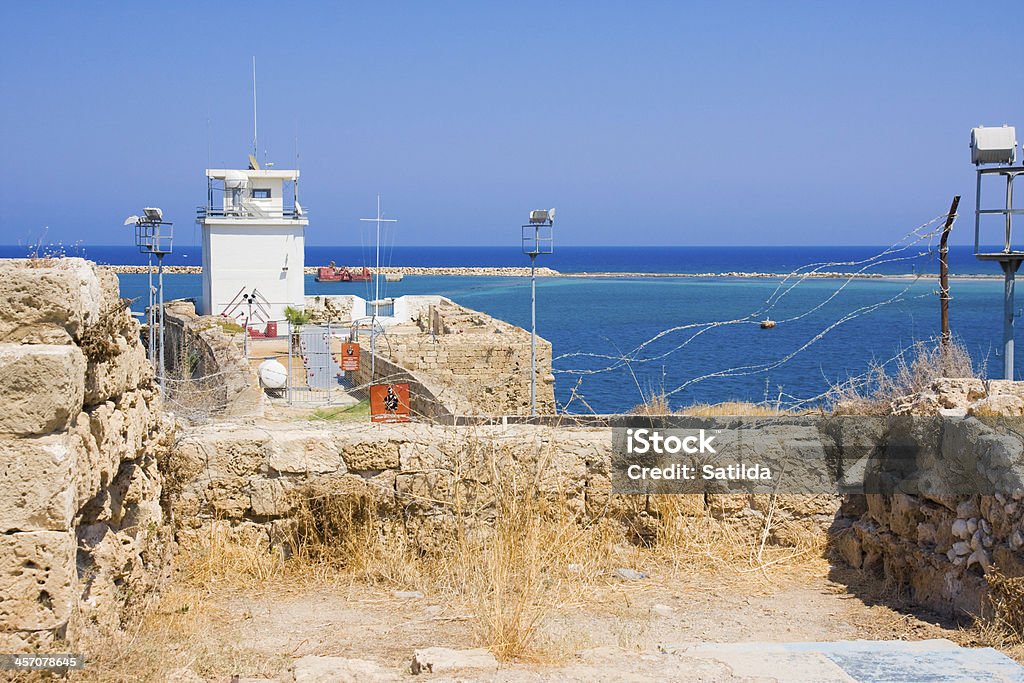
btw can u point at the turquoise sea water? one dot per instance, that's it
(612, 316)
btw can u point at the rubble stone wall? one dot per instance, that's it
(963, 516)
(250, 477)
(80, 436)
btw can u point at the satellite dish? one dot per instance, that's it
(298, 208)
(131, 220)
(551, 215)
(272, 374)
(253, 164)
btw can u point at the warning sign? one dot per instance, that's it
(389, 403)
(349, 357)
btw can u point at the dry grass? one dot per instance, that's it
(881, 388)
(1003, 624)
(658, 405)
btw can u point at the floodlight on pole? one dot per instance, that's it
(538, 238)
(154, 236)
(998, 146)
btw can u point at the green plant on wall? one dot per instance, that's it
(295, 317)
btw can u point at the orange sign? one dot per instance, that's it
(349, 357)
(389, 403)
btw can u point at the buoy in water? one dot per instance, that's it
(767, 324)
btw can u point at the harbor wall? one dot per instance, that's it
(83, 535)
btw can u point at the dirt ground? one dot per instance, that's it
(621, 630)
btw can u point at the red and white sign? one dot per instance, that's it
(389, 403)
(349, 357)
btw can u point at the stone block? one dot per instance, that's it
(236, 452)
(37, 580)
(37, 490)
(301, 452)
(48, 301)
(41, 388)
(442, 660)
(270, 497)
(370, 453)
(111, 377)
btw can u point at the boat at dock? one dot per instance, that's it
(333, 273)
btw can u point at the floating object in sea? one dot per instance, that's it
(393, 277)
(767, 324)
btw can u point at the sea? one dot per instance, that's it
(618, 340)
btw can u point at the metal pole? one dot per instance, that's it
(151, 317)
(1010, 267)
(329, 379)
(1009, 213)
(160, 285)
(290, 336)
(533, 334)
(944, 273)
(977, 215)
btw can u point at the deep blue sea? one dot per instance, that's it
(826, 331)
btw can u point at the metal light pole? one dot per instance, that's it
(155, 236)
(999, 146)
(538, 239)
(376, 290)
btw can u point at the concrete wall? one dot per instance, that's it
(81, 434)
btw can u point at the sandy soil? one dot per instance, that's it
(623, 630)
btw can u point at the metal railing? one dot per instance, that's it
(249, 210)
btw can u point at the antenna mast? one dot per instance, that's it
(255, 139)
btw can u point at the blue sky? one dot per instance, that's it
(642, 122)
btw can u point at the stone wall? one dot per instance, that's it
(250, 477)
(961, 515)
(208, 374)
(481, 364)
(80, 436)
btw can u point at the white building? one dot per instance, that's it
(252, 244)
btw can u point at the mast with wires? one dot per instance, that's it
(255, 137)
(376, 289)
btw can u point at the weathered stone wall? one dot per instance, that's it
(208, 374)
(481, 364)
(961, 513)
(80, 436)
(250, 477)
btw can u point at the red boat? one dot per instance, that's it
(333, 273)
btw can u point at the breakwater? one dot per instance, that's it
(550, 272)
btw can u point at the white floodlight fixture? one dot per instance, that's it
(131, 220)
(996, 145)
(542, 216)
(153, 213)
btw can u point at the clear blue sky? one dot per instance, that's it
(643, 122)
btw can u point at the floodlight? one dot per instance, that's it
(538, 216)
(993, 145)
(153, 213)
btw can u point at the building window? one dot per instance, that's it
(260, 194)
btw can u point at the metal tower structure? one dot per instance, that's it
(538, 238)
(998, 146)
(155, 236)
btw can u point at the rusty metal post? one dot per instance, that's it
(944, 272)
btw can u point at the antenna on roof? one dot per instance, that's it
(255, 138)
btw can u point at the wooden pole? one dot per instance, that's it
(944, 271)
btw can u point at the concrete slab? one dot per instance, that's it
(859, 661)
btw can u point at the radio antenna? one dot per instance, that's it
(255, 138)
